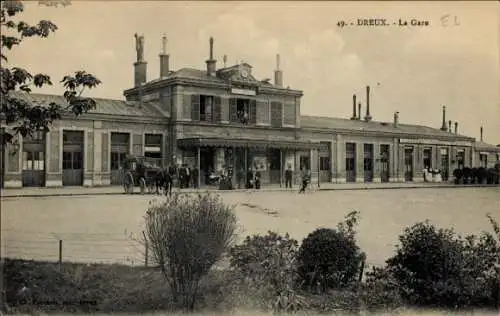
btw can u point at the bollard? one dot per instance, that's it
(60, 252)
(146, 252)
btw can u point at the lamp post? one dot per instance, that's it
(2, 151)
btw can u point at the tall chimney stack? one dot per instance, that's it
(211, 62)
(443, 125)
(359, 110)
(481, 131)
(368, 117)
(396, 119)
(456, 127)
(224, 60)
(354, 116)
(449, 126)
(278, 73)
(164, 58)
(140, 66)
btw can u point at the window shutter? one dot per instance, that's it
(233, 110)
(217, 109)
(195, 107)
(253, 112)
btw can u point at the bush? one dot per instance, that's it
(381, 291)
(481, 175)
(491, 176)
(466, 175)
(458, 174)
(187, 235)
(267, 264)
(437, 268)
(330, 258)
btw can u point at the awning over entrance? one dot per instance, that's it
(247, 143)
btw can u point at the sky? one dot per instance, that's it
(454, 61)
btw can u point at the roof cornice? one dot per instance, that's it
(201, 83)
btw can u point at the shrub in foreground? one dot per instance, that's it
(437, 268)
(330, 258)
(267, 264)
(187, 235)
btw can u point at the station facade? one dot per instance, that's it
(226, 118)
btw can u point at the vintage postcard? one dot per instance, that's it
(250, 157)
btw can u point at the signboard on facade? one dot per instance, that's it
(243, 91)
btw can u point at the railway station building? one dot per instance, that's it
(226, 118)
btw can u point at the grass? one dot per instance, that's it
(100, 288)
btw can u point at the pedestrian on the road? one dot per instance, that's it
(288, 177)
(194, 177)
(240, 174)
(305, 175)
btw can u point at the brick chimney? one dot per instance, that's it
(449, 126)
(396, 119)
(211, 62)
(359, 111)
(164, 58)
(443, 125)
(224, 60)
(368, 117)
(278, 73)
(456, 127)
(354, 117)
(481, 132)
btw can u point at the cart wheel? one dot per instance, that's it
(128, 184)
(142, 184)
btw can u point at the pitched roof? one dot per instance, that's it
(486, 147)
(191, 73)
(103, 106)
(331, 123)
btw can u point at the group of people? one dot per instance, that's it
(432, 175)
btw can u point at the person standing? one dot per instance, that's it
(194, 177)
(188, 175)
(249, 178)
(288, 177)
(305, 179)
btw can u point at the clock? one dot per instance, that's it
(244, 73)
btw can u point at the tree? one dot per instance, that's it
(19, 115)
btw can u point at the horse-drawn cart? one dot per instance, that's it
(139, 171)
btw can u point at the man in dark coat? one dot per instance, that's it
(194, 177)
(288, 177)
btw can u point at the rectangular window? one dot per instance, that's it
(427, 158)
(324, 163)
(67, 160)
(461, 159)
(305, 162)
(206, 108)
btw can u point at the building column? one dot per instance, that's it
(137, 144)
(97, 157)
(401, 163)
(313, 156)
(281, 167)
(340, 165)
(198, 165)
(376, 163)
(418, 163)
(394, 161)
(333, 173)
(436, 150)
(360, 155)
(53, 171)
(14, 165)
(88, 158)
